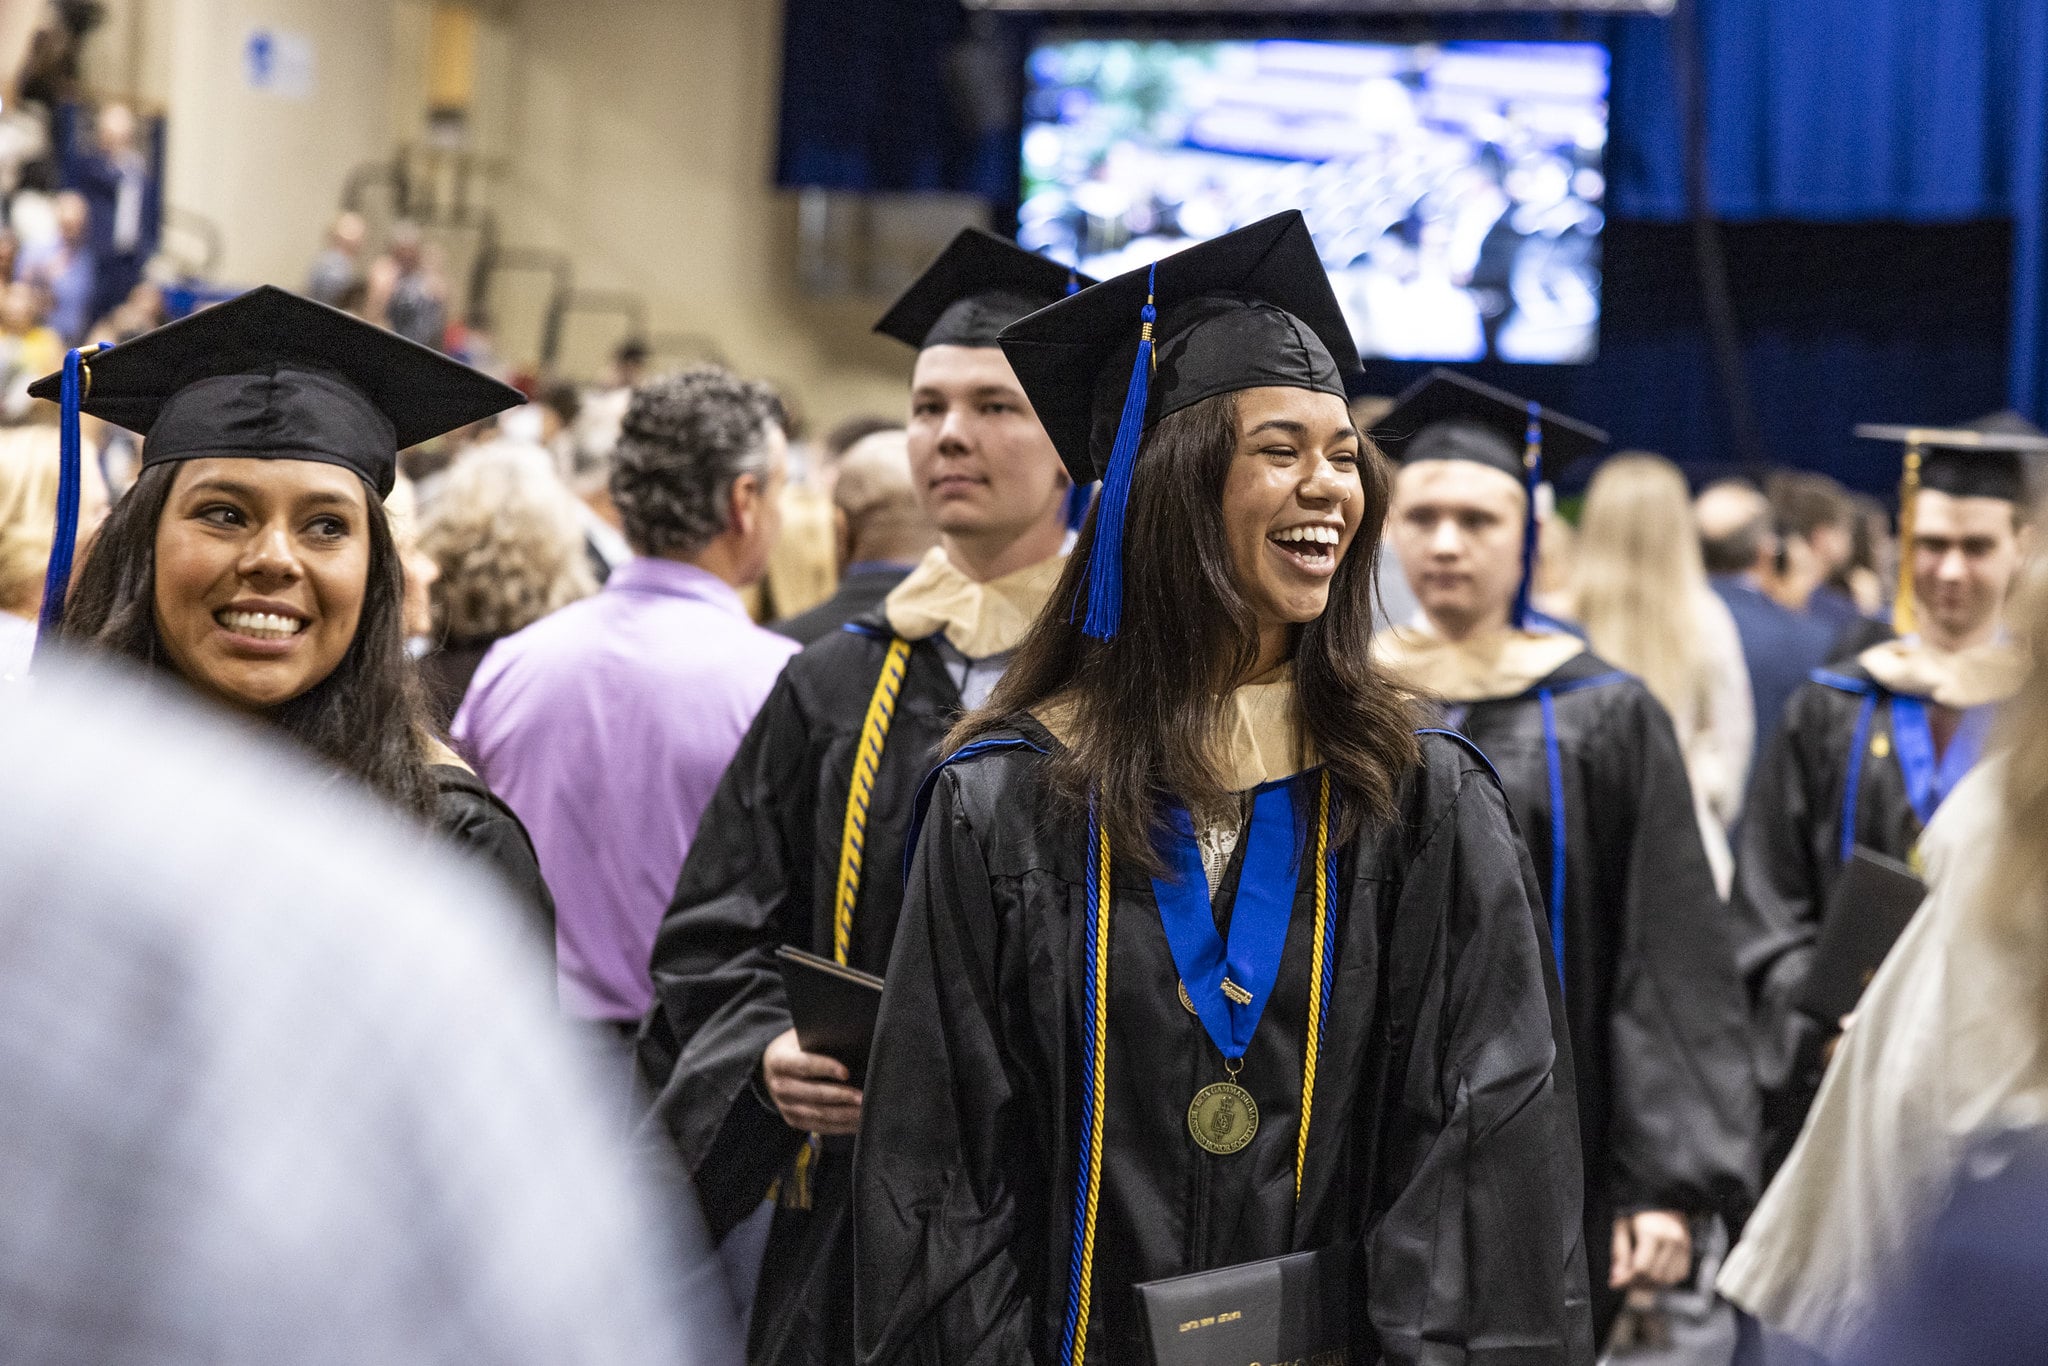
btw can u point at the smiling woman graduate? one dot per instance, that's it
(1206, 957)
(254, 559)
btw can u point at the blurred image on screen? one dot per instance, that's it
(1453, 188)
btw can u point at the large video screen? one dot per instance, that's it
(1454, 189)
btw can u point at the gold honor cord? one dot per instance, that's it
(874, 731)
(1096, 1063)
(1319, 992)
(1078, 1346)
(1909, 491)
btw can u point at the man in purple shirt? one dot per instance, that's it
(608, 724)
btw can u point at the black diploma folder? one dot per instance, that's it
(1865, 916)
(1296, 1308)
(833, 1007)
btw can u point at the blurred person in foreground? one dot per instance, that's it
(251, 1118)
(1872, 746)
(804, 841)
(880, 529)
(1206, 957)
(1597, 782)
(28, 518)
(255, 558)
(508, 548)
(1948, 1044)
(1640, 590)
(1780, 647)
(607, 724)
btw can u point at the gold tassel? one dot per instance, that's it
(793, 1191)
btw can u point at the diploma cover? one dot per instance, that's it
(1294, 1310)
(1867, 913)
(833, 1007)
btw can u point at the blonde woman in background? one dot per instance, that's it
(1639, 587)
(28, 518)
(507, 537)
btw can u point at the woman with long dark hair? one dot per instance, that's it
(254, 558)
(1206, 957)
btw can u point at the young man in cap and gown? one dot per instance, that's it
(803, 840)
(1871, 746)
(1598, 787)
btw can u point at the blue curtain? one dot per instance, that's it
(1843, 111)
(1857, 110)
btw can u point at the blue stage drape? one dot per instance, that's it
(1844, 111)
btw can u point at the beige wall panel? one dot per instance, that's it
(267, 165)
(641, 141)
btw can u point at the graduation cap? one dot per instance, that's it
(1250, 309)
(977, 286)
(1982, 459)
(1449, 416)
(266, 376)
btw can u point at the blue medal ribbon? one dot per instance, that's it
(1929, 780)
(1250, 961)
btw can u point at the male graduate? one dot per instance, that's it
(1870, 746)
(803, 842)
(1597, 784)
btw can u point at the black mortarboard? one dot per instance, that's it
(270, 375)
(1250, 309)
(1449, 416)
(266, 376)
(977, 286)
(1982, 459)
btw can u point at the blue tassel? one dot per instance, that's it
(1532, 462)
(57, 576)
(1077, 504)
(1106, 560)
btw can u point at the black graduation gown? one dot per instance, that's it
(1788, 860)
(763, 872)
(468, 813)
(1667, 1107)
(1441, 1132)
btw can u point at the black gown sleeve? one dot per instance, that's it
(1477, 1257)
(1682, 1115)
(743, 891)
(466, 813)
(1777, 911)
(935, 1214)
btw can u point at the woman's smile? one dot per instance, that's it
(261, 567)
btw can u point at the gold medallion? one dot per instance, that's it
(1223, 1117)
(1184, 998)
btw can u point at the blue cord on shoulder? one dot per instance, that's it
(922, 803)
(1828, 678)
